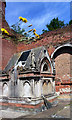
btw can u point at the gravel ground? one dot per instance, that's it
(52, 111)
(65, 112)
(11, 114)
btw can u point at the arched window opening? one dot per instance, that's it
(45, 68)
(5, 89)
(47, 87)
(27, 90)
(45, 82)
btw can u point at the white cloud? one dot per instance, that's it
(40, 22)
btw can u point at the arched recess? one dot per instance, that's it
(45, 66)
(5, 89)
(62, 57)
(27, 89)
(47, 87)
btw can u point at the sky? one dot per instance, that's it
(37, 13)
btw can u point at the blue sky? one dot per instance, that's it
(37, 13)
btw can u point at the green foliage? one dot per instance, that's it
(44, 31)
(55, 24)
(70, 22)
(26, 34)
(17, 28)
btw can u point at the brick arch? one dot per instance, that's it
(58, 50)
(62, 56)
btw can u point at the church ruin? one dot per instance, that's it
(28, 71)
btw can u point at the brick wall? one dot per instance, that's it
(50, 40)
(0, 53)
(2, 12)
(62, 65)
(0, 35)
(8, 50)
(7, 47)
(3, 8)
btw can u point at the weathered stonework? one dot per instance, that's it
(28, 76)
(39, 78)
(59, 46)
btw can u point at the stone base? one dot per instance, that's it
(24, 104)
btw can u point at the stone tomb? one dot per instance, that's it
(27, 76)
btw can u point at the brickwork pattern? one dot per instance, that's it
(62, 65)
(8, 50)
